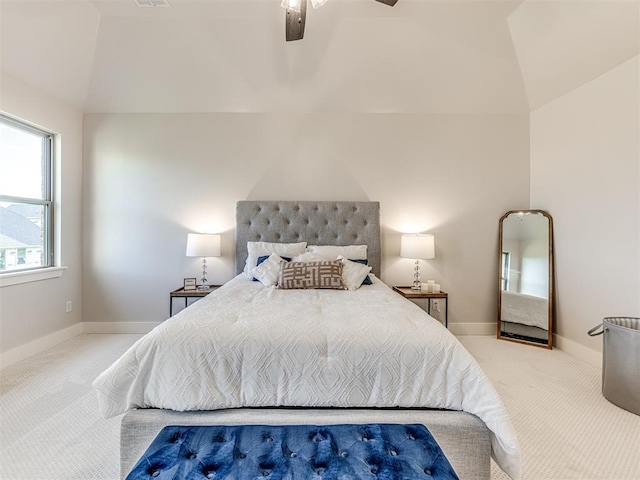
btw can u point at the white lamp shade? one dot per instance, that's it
(203, 245)
(417, 246)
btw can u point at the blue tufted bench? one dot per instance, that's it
(294, 452)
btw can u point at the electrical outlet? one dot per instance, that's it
(436, 305)
(67, 306)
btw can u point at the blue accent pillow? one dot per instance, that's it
(367, 280)
(264, 257)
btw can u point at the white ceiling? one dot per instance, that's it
(563, 44)
(440, 56)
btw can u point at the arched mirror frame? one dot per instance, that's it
(549, 343)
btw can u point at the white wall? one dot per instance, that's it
(150, 179)
(30, 311)
(585, 170)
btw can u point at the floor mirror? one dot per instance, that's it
(525, 299)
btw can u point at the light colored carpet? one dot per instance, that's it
(566, 428)
(50, 428)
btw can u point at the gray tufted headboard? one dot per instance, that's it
(317, 223)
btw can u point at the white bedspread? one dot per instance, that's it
(249, 345)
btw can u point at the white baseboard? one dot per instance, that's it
(42, 344)
(473, 328)
(39, 345)
(581, 352)
(119, 327)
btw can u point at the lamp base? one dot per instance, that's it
(417, 286)
(203, 287)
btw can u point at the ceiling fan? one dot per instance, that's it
(296, 14)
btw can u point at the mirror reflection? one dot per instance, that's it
(525, 302)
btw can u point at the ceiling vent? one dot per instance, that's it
(152, 3)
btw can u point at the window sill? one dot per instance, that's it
(16, 278)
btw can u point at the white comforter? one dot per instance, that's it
(249, 345)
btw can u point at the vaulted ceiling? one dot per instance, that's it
(441, 56)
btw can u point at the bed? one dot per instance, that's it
(294, 348)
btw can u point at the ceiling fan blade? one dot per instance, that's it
(391, 3)
(295, 21)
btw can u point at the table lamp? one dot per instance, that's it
(417, 246)
(203, 245)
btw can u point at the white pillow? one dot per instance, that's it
(259, 249)
(331, 252)
(353, 273)
(267, 272)
(308, 257)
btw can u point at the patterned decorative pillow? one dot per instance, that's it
(325, 274)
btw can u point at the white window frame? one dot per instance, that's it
(18, 275)
(506, 268)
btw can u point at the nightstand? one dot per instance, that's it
(406, 292)
(187, 294)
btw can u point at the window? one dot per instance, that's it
(26, 194)
(505, 270)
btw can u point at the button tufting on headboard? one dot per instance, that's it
(324, 223)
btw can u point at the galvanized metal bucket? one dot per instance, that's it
(620, 361)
